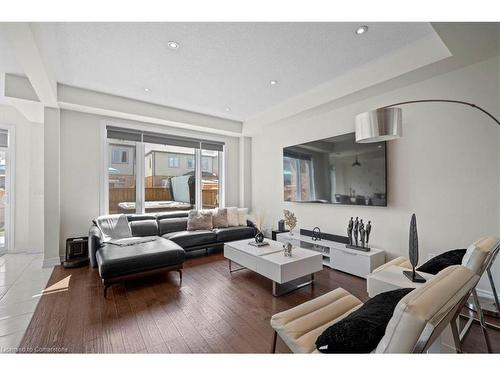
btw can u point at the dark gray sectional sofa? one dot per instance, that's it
(165, 252)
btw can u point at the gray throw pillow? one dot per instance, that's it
(199, 220)
(219, 218)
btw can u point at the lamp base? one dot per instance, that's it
(414, 277)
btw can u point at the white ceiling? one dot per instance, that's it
(8, 64)
(218, 65)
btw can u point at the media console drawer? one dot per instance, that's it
(355, 264)
(336, 256)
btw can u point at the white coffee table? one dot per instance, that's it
(287, 273)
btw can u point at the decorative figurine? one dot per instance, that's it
(367, 231)
(413, 252)
(287, 249)
(349, 230)
(356, 226)
(316, 234)
(362, 233)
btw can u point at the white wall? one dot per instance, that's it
(28, 182)
(81, 167)
(445, 168)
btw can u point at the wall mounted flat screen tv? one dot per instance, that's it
(336, 170)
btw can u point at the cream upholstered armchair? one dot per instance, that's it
(479, 258)
(418, 319)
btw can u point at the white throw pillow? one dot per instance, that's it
(242, 216)
(232, 217)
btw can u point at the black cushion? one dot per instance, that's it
(193, 238)
(362, 330)
(173, 224)
(114, 260)
(142, 228)
(440, 262)
(234, 233)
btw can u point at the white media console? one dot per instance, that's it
(337, 256)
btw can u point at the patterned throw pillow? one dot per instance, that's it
(232, 217)
(219, 218)
(242, 216)
(199, 220)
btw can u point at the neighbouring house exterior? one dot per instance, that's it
(160, 165)
(121, 158)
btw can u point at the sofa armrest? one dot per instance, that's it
(95, 242)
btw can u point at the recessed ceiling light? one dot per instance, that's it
(173, 45)
(147, 90)
(273, 82)
(361, 30)
(228, 109)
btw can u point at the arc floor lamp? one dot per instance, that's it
(385, 124)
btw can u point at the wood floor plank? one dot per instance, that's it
(213, 311)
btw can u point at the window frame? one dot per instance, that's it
(122, 153)
(140, 165)
(176, 162)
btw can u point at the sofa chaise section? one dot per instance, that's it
(159, 243)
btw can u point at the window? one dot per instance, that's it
(150, 172)
(119, 156)
(168, 186)
(207, 163)
(173, 162)
(121, 179)
(210, 178)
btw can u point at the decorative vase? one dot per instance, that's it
(259, 237)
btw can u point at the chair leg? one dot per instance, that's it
(180, 276)
(494, 290)
(273, 348)
(106, 286)
(481, 320)
(456, 336)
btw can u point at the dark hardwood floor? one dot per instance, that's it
(212, 312)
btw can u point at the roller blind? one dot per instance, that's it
(213, 146)
(4, 138)
(162, 139)
(124, 134)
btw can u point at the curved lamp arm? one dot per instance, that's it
(445, 101)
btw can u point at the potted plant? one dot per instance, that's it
(290, 220)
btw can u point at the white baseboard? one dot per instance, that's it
(485, 293)
(51, 262)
